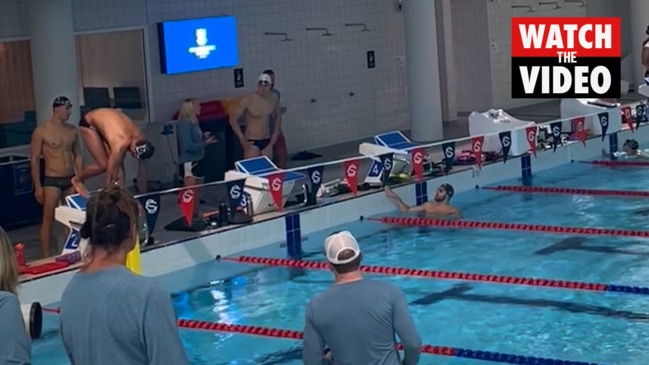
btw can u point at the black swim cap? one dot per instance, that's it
(144, 150)
(632, 144)
(61, 101)
(448, 188)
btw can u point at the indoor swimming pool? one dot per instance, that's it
(597, 327)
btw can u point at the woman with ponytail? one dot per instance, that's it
(109, 315)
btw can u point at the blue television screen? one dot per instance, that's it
(198, 44)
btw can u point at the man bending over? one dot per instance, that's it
(109, 134)
(440, 207)
(57, 142)
(257, 109)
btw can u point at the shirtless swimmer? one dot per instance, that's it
(57, 143)
(109, 134)
(630, 149)
(440, 207)
(257, 108)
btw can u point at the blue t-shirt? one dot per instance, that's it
(15, 347)
(114, 316)
(358, 322)
(191, 147)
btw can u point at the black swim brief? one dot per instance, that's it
(260, 143)
(84, 123)
(61, 183)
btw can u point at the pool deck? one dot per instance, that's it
(215, 194)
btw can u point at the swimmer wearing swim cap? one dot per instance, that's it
(438, 208)
(257, 110)
(630, 149)
(109, 135)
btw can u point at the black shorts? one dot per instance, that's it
(61, 183)
(189, 169)
(260, 143)
(84, 123)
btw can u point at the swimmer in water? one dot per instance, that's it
(440, 207)
(630, 149)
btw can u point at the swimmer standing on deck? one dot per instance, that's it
(440, 207)
(357, 318)
(57, 143)
(108, 134)
(257, 109)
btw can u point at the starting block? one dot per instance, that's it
(72, 215)
(571, 108)
(644, 88)
(394, 143)
(494, 121)
(256, 170)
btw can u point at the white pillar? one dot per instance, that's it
(424, 94)
(639, 22)
(54, 61)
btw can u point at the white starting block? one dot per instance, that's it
(255, 171)
(644, 88)
(571, 108)
(392, 142)
(496, 121)
(72, 215)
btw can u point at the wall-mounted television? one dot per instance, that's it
(198, 44)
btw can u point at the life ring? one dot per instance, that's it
(33, 318)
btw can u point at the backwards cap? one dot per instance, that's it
(336, 243)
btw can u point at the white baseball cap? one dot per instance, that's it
(339, 242)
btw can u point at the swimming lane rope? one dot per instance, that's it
(407, 221)
(450, 275)
(426, 349)
(617, 163)
(571, 191)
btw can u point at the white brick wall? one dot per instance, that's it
(13, 19)
(500, 14)
(327, 69)
(470, 34)
(478, 42)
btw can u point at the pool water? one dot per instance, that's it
(555, 323)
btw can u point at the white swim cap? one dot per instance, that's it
(265, 78)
